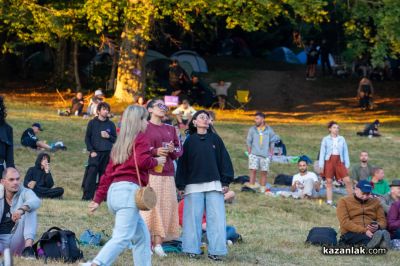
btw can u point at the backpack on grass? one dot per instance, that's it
(322, 236)
(58, 244)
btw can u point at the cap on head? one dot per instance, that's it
(38, 126)
(365, 186)
(395, 183)
(98, 93)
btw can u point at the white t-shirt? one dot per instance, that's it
(203, 187)
(335, 148)
(186, 113)
(221, 90)
(302, 178)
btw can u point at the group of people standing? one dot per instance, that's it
(144, 141)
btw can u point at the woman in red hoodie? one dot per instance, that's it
(120, 183)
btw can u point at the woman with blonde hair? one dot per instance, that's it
(120, 183)
(163, 220)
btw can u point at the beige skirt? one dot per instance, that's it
(163, 219)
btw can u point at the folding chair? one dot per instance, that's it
(243, 98)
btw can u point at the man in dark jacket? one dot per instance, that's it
(39, 179)
(6, 140)
(100, 136)
(77, 104)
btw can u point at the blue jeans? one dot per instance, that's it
(195, 204)
(129, 231)
(396, 234)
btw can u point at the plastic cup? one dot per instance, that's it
(158, 168)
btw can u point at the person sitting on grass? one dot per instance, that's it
(394, 195)
(77, 104)
(371, 130)
(97, 98)
(381, 185)
(361, 218)
(305, 184)
(362, 170)
(393, 220)
(184, 113)
(30, 140)
(18, 206)
(39, 179)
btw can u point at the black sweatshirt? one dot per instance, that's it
(6, 145)
(204, 159)
(44, 181)
(94, 141)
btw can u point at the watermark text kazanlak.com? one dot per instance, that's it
(353, 251)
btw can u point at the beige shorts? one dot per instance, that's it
(258, 163)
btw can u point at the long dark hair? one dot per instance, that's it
(3, 111)
(192, 129)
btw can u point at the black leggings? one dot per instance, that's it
(51, 193)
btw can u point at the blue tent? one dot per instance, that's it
(283, 54)
(303, 59)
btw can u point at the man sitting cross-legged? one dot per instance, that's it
(362, 220)
(18, 207)
(305, 184)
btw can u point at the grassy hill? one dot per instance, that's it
(274, 229)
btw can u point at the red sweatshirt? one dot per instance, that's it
(159, 134)
(127, 170)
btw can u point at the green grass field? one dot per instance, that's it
(273, 229)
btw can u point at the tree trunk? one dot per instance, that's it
(113, 74)
(130, 67)
(134, 41)
(76, 67)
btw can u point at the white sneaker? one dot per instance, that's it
(159, 251)
(85, 264)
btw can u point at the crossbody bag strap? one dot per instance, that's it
(136, 165)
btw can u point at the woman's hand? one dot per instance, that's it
(171, 147)
(225, 190)
(93, 207)
(162, 152)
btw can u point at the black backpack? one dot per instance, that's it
(285, 180)
(58, 244)
(322, 236)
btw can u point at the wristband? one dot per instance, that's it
(23, 211)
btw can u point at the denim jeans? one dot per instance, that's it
(129, 231)
(195, 204)
(25, 229)
(396, 234)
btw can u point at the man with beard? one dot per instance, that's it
(260, 146)
(363, 170)
(394, 195)
(305, 184)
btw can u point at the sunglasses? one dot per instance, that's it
(162, 107)
(203, 117)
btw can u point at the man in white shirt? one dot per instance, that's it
(221, 90)
(184, 113)
(305, 184)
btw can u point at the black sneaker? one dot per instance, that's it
(28, 253)
(193, 256)
(215, 257)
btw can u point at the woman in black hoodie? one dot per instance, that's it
(203, 175)
(6, 140)
(39, 179)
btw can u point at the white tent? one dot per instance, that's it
(194, 59)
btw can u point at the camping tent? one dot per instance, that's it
(283, 54)
(197, 63)
(303, 59)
